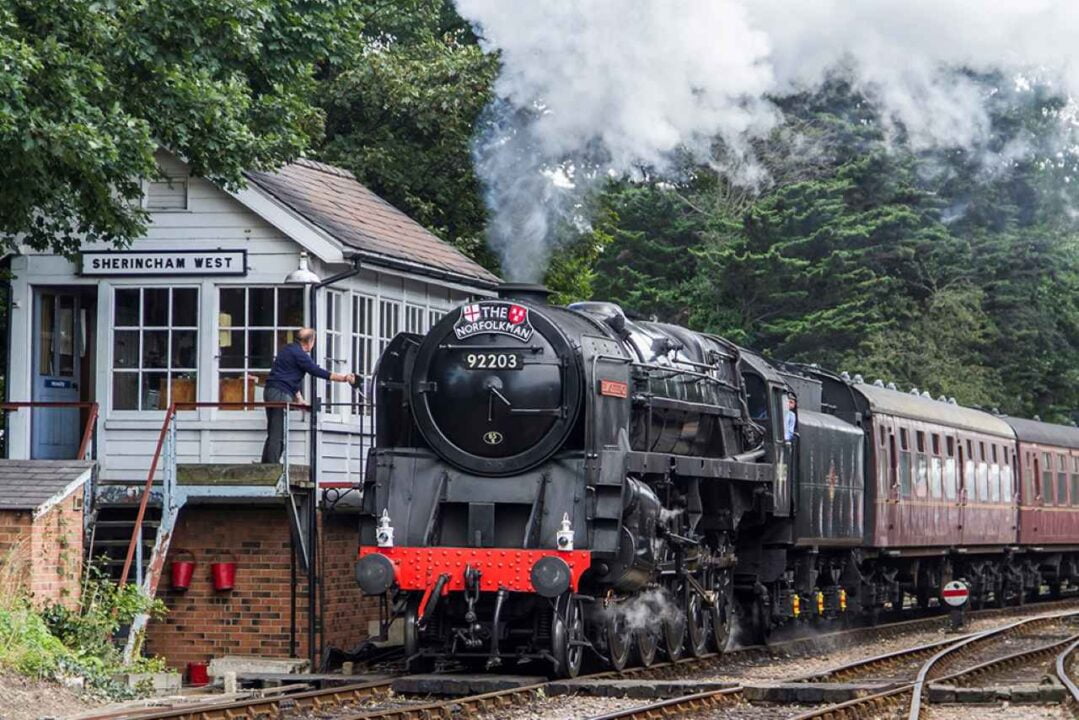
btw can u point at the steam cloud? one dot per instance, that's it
(597, 88)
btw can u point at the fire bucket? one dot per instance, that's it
(182, 570)
(223, 574)
(196, 674)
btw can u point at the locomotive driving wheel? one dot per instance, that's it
(568, 636)
(698, 624)
(722, 609)
(618, 638)
(646, 642)
(674, 629)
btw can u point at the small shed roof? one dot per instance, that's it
(36, 484)
(1043, 433)
(916, 407)
(335, 201)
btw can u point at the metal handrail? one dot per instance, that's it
(91, 420)
(170, 415)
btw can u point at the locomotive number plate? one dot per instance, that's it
(492, 361)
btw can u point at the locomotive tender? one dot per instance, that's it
(549, 481)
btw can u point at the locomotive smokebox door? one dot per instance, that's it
(496, 387)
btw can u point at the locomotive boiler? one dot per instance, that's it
(548, 481)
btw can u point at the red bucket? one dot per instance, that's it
(182, 571)
(196, 674)
(223, 574)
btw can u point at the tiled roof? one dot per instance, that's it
(28, 484)
(335, 201)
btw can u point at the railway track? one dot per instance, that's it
(935, 664)
(379, 693)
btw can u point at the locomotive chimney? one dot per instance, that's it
(526, 292)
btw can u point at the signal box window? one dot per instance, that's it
(155, 347)
(253, 324)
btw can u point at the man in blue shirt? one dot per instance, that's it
(792, 418)
(284, 383)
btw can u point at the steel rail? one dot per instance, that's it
(1063, 661)
(860, 707)
(260, 707)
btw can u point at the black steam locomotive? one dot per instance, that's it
(548, 481)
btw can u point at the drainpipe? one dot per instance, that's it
(312, 510)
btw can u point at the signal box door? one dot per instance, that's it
(60, 344)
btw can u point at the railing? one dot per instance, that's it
(89, 433)
(166, 423)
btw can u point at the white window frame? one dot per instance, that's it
(334, 352)
(167, 180)
(247, 368)
(141, 328)
(362, 342)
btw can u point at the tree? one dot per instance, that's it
(90, 88)
(400, 117)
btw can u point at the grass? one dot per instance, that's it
(55, 642)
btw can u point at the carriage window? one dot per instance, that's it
(1075, 489)
(1061, 465)
(904, 442)
(968, 479)
(904, 474)
(1047, 461)
(981, 450)
(936, 444)
(921, 441)
(970, 449)
(1075, 463)
(994, 449)
(949, 478)
(950, 445)
(983, 481)
(1047, 486)
(1062, 488)
(882, 436)
(921, 483)
(1007, 486)
(935, 479)
(994, 482)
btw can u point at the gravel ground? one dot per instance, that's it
(23, 699)
(997, 712)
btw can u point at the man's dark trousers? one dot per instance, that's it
(275, 424)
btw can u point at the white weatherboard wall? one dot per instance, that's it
(216, 220)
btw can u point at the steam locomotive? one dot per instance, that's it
(554, 482)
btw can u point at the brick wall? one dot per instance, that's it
(56, 553)
(254, 617)
(43, 556)
(346, 612)
(15, 549)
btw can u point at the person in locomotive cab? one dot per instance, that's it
(283, 385)
(792, 418)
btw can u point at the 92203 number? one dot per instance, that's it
(493, 361)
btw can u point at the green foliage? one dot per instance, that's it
(940, 271)
(91, 87)
(400, 116)
(58, 641)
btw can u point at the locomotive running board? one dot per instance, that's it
(688, 466)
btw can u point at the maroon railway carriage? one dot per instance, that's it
(940, 493)
(1048, 501)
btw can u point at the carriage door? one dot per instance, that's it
(59, 354)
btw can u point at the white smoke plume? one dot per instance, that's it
(597, 88)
